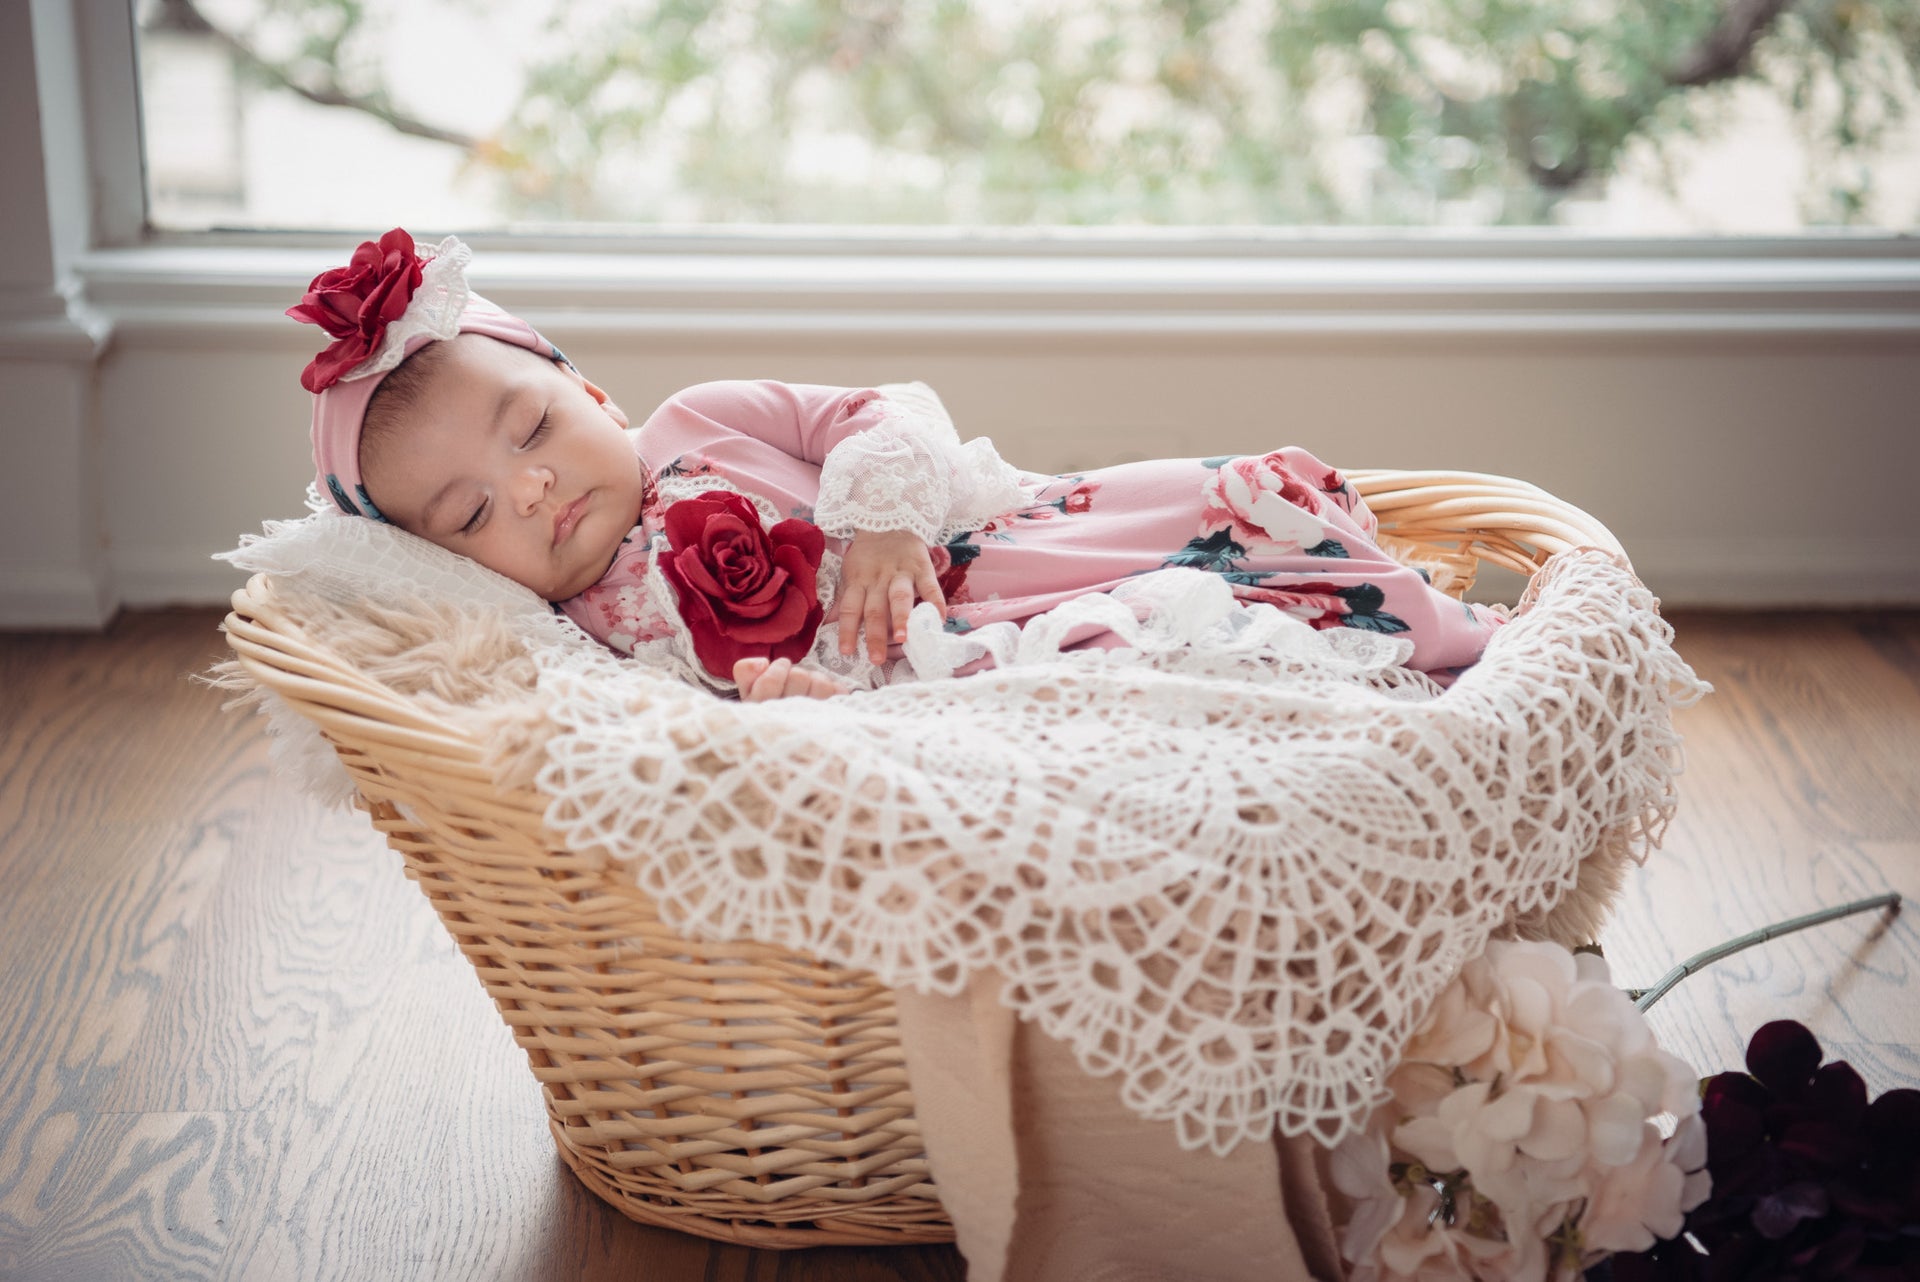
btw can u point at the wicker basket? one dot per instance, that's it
(737, 1091)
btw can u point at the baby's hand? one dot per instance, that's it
(759, 681)
(880, 576)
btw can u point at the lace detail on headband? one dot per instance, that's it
(434, 311)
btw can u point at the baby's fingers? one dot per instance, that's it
(760, 681)
(852, 602)
(928, 584)
(767, 680)
(802, 682)
(876, 617)
(900, 597)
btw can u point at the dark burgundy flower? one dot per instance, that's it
(1669, 1260)
(745, 592)
(355, 304)
(1810, 1180)
(1734, 1110)
(1780, 1212)
(1782, 1056)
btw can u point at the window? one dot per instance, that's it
(1614, 117)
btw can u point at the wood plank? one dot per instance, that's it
(260, 1054)
(1802, 791)
(144, 1198)
(97, 889)
(236, 1043)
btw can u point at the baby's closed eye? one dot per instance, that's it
(540, 430)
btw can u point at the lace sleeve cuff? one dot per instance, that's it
(909, 473)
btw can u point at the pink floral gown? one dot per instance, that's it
(1281, 528)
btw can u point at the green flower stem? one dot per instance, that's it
(1644, 998)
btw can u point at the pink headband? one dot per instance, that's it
(381, 308)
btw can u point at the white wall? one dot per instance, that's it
(52, 569)
(1751, 438)
(1736, 469)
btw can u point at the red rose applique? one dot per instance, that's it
(356, 303)
(745, 592)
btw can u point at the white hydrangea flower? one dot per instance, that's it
(1519, 1142)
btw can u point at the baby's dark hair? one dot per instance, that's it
(398, 395)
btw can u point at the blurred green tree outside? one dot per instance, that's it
(1100, 112)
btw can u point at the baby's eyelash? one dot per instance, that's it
(539, 434)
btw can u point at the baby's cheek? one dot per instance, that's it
(529, 567)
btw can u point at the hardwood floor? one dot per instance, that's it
(235, 1043)
(1802, 791)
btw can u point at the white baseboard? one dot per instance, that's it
(150, 577)
(55, 599)
(1744, 573)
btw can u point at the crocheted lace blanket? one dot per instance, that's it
(1232, 865)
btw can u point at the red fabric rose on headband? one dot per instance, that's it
(745, 592)
(356, 303)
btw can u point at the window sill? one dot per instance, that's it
(1113, 290)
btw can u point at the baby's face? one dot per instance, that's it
(515, 461)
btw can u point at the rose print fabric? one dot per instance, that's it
(1281, 528)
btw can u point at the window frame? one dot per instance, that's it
(1173, 280)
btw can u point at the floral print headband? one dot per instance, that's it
(386, 304)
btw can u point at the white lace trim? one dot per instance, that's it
(434, 309)
(1162, 612)
(910, 472)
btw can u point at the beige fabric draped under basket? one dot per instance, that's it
(736, 1090)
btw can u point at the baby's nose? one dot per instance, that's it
(530, 487)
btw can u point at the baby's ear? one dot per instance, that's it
(614, 412)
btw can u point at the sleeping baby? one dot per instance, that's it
(773, 538)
